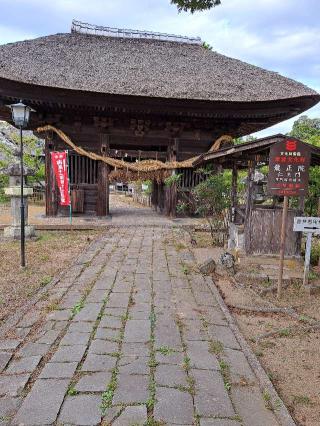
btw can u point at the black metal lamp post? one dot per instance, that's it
(20, 117)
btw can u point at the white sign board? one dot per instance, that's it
(307, 224)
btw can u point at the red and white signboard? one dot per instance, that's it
(289, 162)
(59, 164)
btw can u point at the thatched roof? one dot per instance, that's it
(142, 68)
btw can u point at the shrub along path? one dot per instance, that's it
(135, 336)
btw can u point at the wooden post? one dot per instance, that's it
(307, 259)
(234, 194)
(171, 192)
(249, 206)
(102, 208)
(282, 243)
(51, 185)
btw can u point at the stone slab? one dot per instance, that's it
(134, 365)
(99, 363)
(137, 331)
(13, 385)
(251, 408)
(4, 359)
(101, 347)
(69, 353)
(200, 357)
(89, 312)
(81, 410)
(170, 375)
(211, 398)
(132, 416)
(58, 370)
(23, 365)
(75, 338)
(131, 389)
(9, 344)
(42, 404)
(173, 407)
(95, 382)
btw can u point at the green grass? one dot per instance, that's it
(165, 350)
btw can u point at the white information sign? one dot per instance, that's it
(307, 224)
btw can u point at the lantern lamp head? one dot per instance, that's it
(20, 114)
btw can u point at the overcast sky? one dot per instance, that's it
(279, 35)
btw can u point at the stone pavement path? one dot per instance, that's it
(130, 335)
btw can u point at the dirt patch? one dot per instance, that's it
(51, 253)
(291, 358)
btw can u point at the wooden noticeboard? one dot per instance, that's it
(289, 163)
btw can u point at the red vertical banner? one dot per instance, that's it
(59, 164)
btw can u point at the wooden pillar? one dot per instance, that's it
(154, 195)
(171, 191)
(103, 205)
(51, 185)
(103, 190)
(249, 206)
(234, 191)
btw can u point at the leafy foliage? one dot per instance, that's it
(308, 130)
(195, 5)
(210, 199)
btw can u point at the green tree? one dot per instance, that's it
(195, 5)
(33, 149)
(308, 130)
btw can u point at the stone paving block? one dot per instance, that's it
(211, 398)
(168, 336)
(118, 300)
(60, 315)
(33, 349)
(131, 389)
(250, 406)
(239, 366)
(89, 312)
(173, 407)
(75, 338)
(140, 312)
(170, 375)
(4, 359)
(99, 363)
(96, 296)
(214, 316)
(49, 337)
(23, 365)
(81, 327)
(224, 335)
(29, 319)
(116, 312)
(205, 298)
(107, 333)
(134, 365)
(69, 353)
(81, 410)
(132, 416)
(9, 344)
(101, 347)
(95, 382)
(43, 403)
(176, 358)
(110, 322)
(22, 332)
(200, 357)
(13, 385)
(8, 406)
(219, 422)
(58, 370)
(137, 331)
(135, 349)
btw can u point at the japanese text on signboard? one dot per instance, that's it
(59, 164)
(289, 168)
